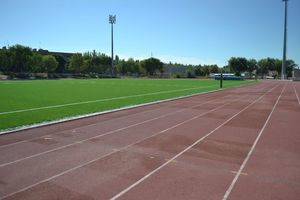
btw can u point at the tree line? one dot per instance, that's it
(262, 67)
(20, 59)
(93, 62)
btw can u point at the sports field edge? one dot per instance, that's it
(77, 117)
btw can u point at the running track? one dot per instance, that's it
(241, 143)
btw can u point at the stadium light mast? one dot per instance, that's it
(283, 68)
(112, 21)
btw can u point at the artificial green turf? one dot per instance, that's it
(23, 95)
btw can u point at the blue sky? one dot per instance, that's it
(185, 31)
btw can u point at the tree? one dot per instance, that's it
(237, 65)
(265, 65)
(61, 68)
(5, 60)
(77, 63)
(96, 64)
(251, 66)
(152, 65)
(87, 62)
(105, 63)
(206, 71)
(120, 67)
(20, 58)
(133, 66)
(128, 67)
(49, 63)
(213, 69)
(36, 63)
(199, 71)
(290, 65)
(117, 59)
(226, 69)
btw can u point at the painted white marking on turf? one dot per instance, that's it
(104, 134)
(47, 123)
(182, 152)
(296, 94)
(227, 193)
(118, 150)
(100, 100)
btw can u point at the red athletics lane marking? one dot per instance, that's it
(104, 134)
(182, 152)
(227, 193)
(296, 94)
(94, 160)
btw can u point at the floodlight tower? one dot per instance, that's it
(283, 68)
(112, 21)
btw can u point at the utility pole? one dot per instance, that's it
(112, 21)
(283, 68)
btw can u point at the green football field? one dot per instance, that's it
(31, 102)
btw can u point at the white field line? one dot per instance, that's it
(104, 134)
(185, 150)
(47, 123)
(227, 193)
(296, 94)
(123, 148)
(101, 100)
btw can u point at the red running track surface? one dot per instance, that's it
(242, 143)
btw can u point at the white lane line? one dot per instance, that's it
(296, 94)
(182, 152)
(118, 150)
(101, 100)
(105, 134)
(227, 193)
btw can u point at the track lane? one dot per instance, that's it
(296, 92)
(205, 171)
(184, 167)
(240, 170)
(273, 170)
